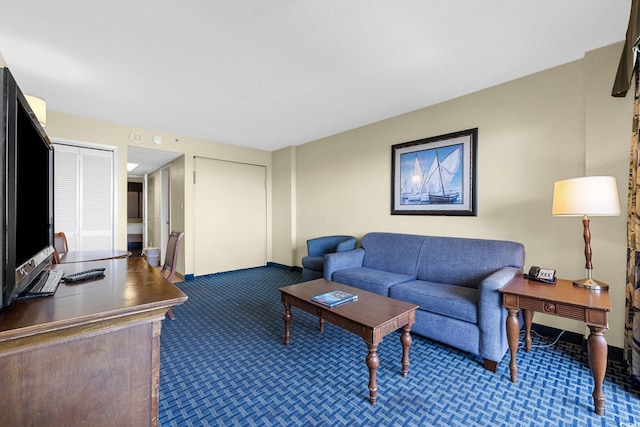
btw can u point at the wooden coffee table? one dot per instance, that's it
(371, 317)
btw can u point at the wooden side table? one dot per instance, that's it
(565, 300)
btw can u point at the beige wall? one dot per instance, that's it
(552, 125)
(284, 193)
(176, 205)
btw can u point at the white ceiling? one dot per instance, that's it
(273, 73)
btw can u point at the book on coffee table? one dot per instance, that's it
(334, 298)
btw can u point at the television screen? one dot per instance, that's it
(33, 226)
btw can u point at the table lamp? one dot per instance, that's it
(586, 196)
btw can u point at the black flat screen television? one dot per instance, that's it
(26, 171)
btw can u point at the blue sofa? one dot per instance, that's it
(454, 281)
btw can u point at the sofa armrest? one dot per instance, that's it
(341, 260)
(492, 314)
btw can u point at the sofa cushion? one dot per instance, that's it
(370, 279)
(458, 302)
(466, 262)
(392, 252)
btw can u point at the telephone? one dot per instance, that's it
(544, 275)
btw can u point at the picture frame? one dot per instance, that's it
(435, 176)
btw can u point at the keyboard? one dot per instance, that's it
(45, 285)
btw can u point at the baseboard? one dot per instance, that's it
(285, 267)
(188, 277)
(614, 353)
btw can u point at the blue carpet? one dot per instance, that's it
(223, 363)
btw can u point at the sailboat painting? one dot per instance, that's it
(441, 182)
(435, 175)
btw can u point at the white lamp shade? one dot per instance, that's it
(589, 195)
(39, 108)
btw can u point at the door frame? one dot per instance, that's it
(165, 208)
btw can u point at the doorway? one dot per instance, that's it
(135, 232)
(156, 202)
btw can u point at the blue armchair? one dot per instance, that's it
(313, 263)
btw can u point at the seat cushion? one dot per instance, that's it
(458, 302)
(371, 280)
(313, 262)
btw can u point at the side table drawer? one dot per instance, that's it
(553, 307)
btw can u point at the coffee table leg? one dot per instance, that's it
(287, 322)
(373, 361)
(405, 339)
(513, 332)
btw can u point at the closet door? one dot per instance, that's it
(230, 218)
(84, 196)
(66, 184)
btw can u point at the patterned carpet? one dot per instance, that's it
(223, 363)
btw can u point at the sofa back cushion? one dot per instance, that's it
(466, 262)
(392, 252)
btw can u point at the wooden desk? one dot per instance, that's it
(100, 255)
(90, 354)
(564, 300)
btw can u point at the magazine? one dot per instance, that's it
(334, 298)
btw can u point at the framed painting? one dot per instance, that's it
(435, 176)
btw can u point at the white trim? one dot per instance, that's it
(84, 144)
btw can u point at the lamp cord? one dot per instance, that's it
(521, 343)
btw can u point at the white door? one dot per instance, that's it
(83, 195)
(157, 200)
(230, 218)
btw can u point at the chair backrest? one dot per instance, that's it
(171, 256)
(328, 244)
(60, 246)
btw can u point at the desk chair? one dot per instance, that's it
(60, 247)
(171, 259)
